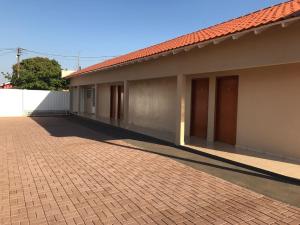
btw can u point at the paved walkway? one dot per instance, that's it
(273, 164)
(53, 171)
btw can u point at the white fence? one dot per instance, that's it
(15, 102)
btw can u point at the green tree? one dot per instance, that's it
(38, 74)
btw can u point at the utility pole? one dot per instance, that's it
(78, 61)
(19, 52)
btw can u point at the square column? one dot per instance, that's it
(71, 98)
(78, 99)
(96, 100)
(126, 103)
(180, 111)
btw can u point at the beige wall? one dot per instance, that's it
(269, 110)
(74, 102)
(81, 99)
(88, 104)
(65, 73)
(152, 104)
(103, 101)
(273, 46)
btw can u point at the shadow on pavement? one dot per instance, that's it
(277, 187)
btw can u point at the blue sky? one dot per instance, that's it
(106, 27)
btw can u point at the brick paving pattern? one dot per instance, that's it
(58, 172)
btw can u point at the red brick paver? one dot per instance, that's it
(58, 172)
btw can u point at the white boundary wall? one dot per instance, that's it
(16, 102)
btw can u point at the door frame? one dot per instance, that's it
(120, 102)
(116, 89)
(113, 101)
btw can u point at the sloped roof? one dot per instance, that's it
(265, 16)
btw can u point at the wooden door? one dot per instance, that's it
(113, 99)
(199, 107)
(120, 101)
(226, 109)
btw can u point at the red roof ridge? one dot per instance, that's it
(262, 17)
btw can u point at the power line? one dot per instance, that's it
(22, 51)
(6, 52)
(75, 59)
(5, 49)
(78, 58)
(68, 56)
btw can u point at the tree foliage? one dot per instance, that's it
(38, 74)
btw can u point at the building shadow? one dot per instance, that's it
(74, 126)
(264, 182)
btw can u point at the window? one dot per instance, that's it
(88, 93)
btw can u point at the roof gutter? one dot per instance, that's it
(234, 36)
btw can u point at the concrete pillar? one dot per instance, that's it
(188, 98)
(96, 100)
(71, 98)
(211, 110)
(79, 99)
(82, 100)
(126, 103)
(180, 112)
(116, 103)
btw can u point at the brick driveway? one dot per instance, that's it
(53, 171)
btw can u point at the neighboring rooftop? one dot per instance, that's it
(65, 73)
(256, 19)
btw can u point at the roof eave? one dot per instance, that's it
(234, 36)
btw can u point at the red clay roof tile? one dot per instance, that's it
(262, 17)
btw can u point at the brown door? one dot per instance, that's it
(199, 112)
(226, 109)
(113, 99)
(120, 101)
